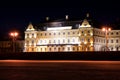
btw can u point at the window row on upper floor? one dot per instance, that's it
(109, 40)
(110, 33)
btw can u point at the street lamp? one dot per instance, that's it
(106, 29)
(14, 36)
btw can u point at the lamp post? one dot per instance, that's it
(14, 36)
(106, 29)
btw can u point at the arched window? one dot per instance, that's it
(112, 49)
(58, 41)
(27, 35)
(32, 42)
(68, 40)
(73, 48)
(59, 49)
(49, 49)
(68, 48)
(117, 48)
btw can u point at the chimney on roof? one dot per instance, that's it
(47, 18)
(66, 17)
(87, 15)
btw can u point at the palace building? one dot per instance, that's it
(73, 36)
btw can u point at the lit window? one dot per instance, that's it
(88, 40)
(54, 41)
(78, 48)
(45, 49)
(112, 33)
(73, 32)
(32, 49)
(45, 34)
(117, 33)
(85, 24)
(117, 48)
(49, 33)
(41, 34)
(112, 49)
(82, 40)
(41, 49)
(68, 48)
(104, 41)
(108, 41)
(49, 41)
(58, 33)
(58, 41)
(50, 49)
(63, 48)
(82, 32)
(88, 48)
(59, 49)
(68, 40)
(27, 35)
(73, 48)
(27, 42)
(37, 34)
(32, 35)
(68, 33)
(32, 42)
(111, 41)
(73, 40)
(117, 41)
(45, 41)
(55, 48)
(63, 41)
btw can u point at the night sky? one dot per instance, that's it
(17, 15)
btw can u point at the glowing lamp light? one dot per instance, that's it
(106, 29)
(14, 34)
(103, 29)
(109, 29)
(11, 34)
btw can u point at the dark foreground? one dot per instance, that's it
(59, 70)
(115, 55)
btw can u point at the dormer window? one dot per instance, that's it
(85, 24)
(30, 27)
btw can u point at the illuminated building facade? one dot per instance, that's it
(60, 36)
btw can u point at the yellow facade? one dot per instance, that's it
(65, 39)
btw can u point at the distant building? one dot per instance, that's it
(7, 46)
(65, 36)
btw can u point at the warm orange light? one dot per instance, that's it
(11, 34)
(103, 29)
(106, 29)
(14, 34)
(109, 29)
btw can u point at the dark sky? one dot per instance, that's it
(17, 15)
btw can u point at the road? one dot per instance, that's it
(59, 70)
